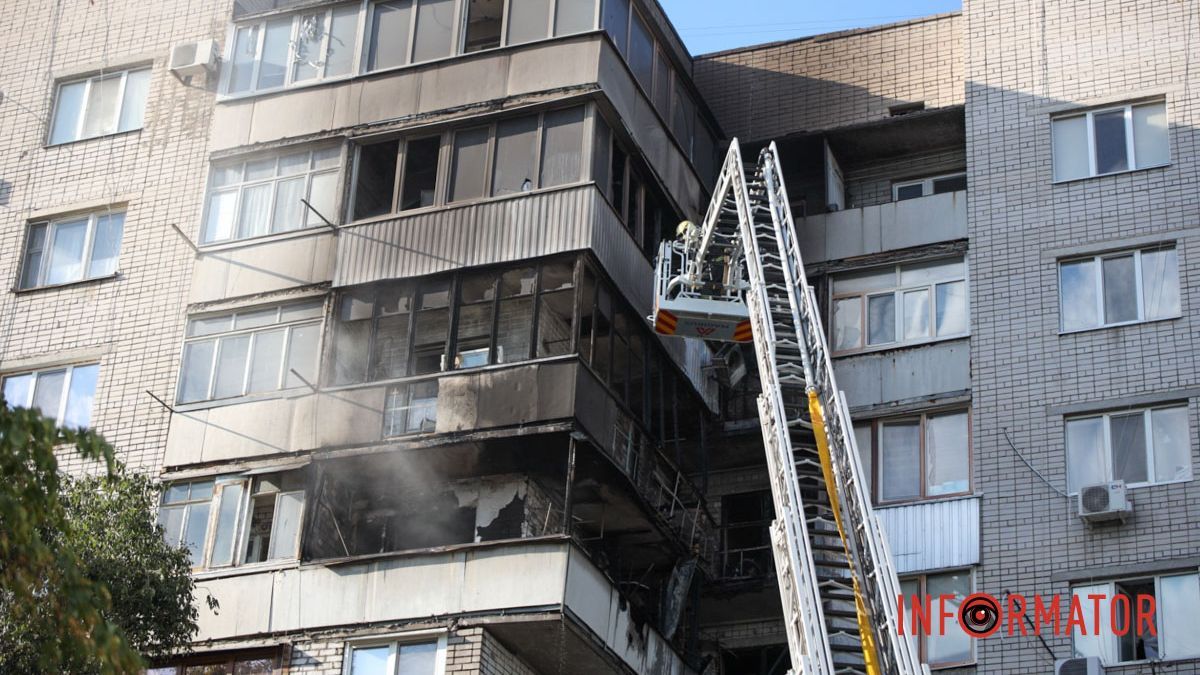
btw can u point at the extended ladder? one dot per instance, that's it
(835, 574)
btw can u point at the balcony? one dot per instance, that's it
(874, 229)
(546, 590)
(932, 535)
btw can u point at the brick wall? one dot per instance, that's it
(131, 324)
(1023, 60)
(833, 80)
(469, 651)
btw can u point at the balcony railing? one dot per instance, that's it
(873, 229)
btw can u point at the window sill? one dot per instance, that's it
(1068, 181)
(77, 141)
(960, 496)
(233, 244)
(201, 574)
(947, 666)
(1143, 486)
(1124, 324)
(67, 284)
(893, 346)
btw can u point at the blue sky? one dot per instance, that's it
(712, 25)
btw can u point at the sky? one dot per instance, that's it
(713, 25)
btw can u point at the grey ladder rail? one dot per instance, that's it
(822, 569)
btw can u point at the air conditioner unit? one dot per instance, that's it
(194, 58)
(1104, 502)
(1082, 666)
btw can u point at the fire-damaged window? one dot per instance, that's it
(503, 315)
(235, 520)
(511, 156)
(761, 660)
(385, 504)
(640, 204)
(745, 527)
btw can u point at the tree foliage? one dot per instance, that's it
(87, 583)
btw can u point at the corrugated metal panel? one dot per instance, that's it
(933, 535)
(510, 230)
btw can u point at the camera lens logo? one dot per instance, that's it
(979, 615)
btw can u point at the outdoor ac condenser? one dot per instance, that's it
(1082, 666)
(1104, 502)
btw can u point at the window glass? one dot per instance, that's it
(916, 314)
(197, 371)
(1172, 444)
(562, 147)
(952, 315)
(432, 327)
(641, 52)
(1090, 642)
(954, 646)
(662, 83)
(947, 454)
(1179, 614)
(421, 160)
(306, 62)
(417, 659)
(484, 18)
(574, 16)
(65, 394)
(910, 191)
(48, 390)
(900, 460)
(68, 111)
(602, 155)
(866, 448)
(375, 179)
(516, 148)
(1086, 462)
(80, 394)
(470, 164)
(1150, 140)
(881, 310)
(17, 390)
(272, 67)
(1077, 281)
(231, 366)
(260, 196)
(1160, 283)
(289, 510)
(1131, 646)
(370, 661)
(847, 323)
(870, 280)
(476, 296)
(339, 59)
(1070, 148)
(435, 28)
(683, 116)
(35, 251)
(133, 105)
(932, 271)
(1120, 290)
(103, 106)
(106, 244)
(950, 184)
(67, 251)
(80, 248)
(616, 21)
(1128, 444)
(528, 20)
(227, 513)
(241, 66)
(1109, 137)
(515, 316)
(264, 368)
(390, 25)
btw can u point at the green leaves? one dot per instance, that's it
(86, 579)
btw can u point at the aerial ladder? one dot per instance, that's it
(739, 277)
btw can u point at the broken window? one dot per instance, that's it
(390, 352)
(476, 309)
(421, 160)
(255, 662)
(234, 520)
(762, 660)
(260, 196)
(284, 51)
(411, 409)
(431, 327)
(375, 179)
(556, 305)
(514, 318)
(484, 20)
(76, 248)
(745, 527)
(250, 351)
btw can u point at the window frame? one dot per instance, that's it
(81, 123)
(394, 643)
(1130, 153)
(258, 23)
(89, 243)
(897, 293)
(1111, 645)
(210, 190)
(63, 397)
(1139, 287)
(876, 436)
(926, 184)
(746, 553)
(228, 659)
(240, 537)
(320, 303)
(922, 591)
(1148, 433)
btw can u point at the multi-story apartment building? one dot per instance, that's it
(366, 290)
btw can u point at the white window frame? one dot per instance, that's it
(259, 23)
(925, 183)
(1147, 430)
(48, 246)
(1130, 154)
(83, 113)
(898, 294)
(242, 185)
(241, 533)
(216, 337)
(61, 411)
(394, 642)
(1139, 288)
(1110, 641)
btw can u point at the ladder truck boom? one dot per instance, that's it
(738, 277)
